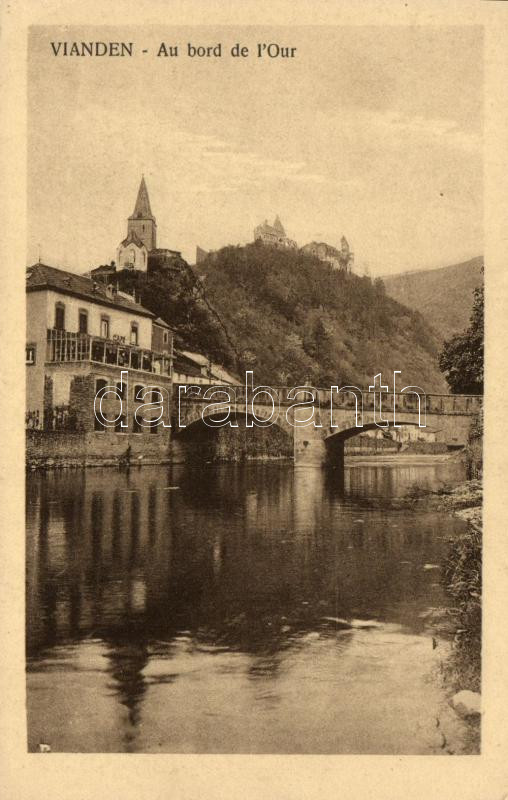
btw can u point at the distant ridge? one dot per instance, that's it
(444, 295)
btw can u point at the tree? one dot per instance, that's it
(461, 358)
(177, 296)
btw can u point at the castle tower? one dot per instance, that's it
(142, 223)
(347, 257)
(278, 226)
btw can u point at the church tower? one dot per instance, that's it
(142, 222)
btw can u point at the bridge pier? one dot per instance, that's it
(335, 452)
(309, 446)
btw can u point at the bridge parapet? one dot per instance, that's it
(345, 398)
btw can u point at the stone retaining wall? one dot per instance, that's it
(46, 449)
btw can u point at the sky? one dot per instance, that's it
(374, 133)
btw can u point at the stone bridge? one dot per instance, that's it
(314, 423)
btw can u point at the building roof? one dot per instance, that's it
(276, 230)
(132, 238)
(265, 228)
(161, 323)
(103, 269)
(41, 276)
(163, 257)
(277, 224)
(198, 358)
(217, 371)
(142, 208)
(186, 366)
(224, 375)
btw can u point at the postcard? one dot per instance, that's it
(254, 508)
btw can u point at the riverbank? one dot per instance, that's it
(465, 500)
(398, 459)
(462, 577)
(462, 580)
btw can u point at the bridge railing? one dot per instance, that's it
(402, 401)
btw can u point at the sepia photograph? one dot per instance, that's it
(254, 389)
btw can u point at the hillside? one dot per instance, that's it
(293, 318)
(444, 296)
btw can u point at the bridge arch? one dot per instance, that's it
(335, 442)
(348, 433)
(199, 441)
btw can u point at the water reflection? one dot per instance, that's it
(178, 577)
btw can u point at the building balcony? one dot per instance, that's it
(65, 347)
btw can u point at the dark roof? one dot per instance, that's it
(142, 208)
(162, 251)
(185, 365)
(278, 225)
(277, 229)
(103, 268)
(160, 322)
(41, 276)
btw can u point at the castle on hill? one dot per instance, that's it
(275, 236)
(342, 259)
(139, 251)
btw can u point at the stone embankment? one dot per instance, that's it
(47, 450)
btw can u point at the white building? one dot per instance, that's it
(80, 336)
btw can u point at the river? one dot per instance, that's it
(238, 609)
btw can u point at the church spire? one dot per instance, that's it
(142, 208)
(142, 222)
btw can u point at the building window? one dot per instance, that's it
(59, 316)
(165, 337)
(155, 396)
(154, 427)
(105, 327)
(134, 333)
(83, 321)
(136, 424)
(133, 256)
(30, 354)
(120, 387)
